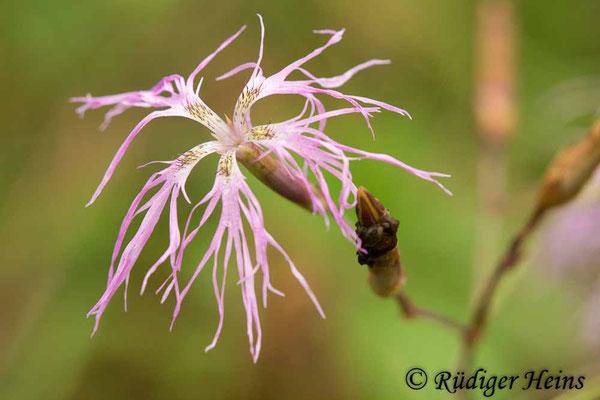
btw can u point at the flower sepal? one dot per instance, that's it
(270, 171)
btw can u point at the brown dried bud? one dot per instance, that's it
(368, 208)
(377, 231)
(570, 170)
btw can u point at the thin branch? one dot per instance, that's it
(411, 310)
(509, 259)
(472, 332)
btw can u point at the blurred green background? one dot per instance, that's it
(55, 253)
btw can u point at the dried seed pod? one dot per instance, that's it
(377, 231)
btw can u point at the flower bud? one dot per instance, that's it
(570, 170)
(377, 231)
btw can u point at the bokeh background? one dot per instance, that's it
(54, 252)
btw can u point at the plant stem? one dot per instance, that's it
(472, 332)
(509, 259)
(411, 310)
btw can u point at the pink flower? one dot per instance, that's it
(239, 141)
